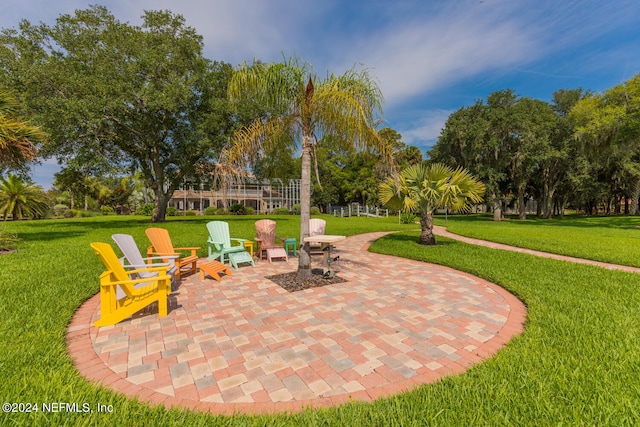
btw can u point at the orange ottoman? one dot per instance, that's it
(212, 268)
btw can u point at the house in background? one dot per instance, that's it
(261, 195)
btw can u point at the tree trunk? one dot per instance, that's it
(497, 209)
(548, 208)
(635, 208)
(522, 207)
(160, 210)
(304, 257)
(426, 223)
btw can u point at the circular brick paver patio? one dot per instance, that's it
(244, 344)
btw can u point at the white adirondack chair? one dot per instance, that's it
(133, 259)
(316, 228)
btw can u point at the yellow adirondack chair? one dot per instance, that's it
(161, 246)
(120, 296)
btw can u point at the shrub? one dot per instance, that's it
(295, 209)
(237, 209)
(60, 210)
(211, 210)
(106, 210)
(315, 210)
(87, 214)
(191, 213)
(248, 210)
(408, 218)
(280, 211)
(146, 209)
(171, 211)
(221, 211)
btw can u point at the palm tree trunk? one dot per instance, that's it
(426, 223)
(304, 257)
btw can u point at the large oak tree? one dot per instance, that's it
(140, 97)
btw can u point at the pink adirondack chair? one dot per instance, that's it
(266, 238)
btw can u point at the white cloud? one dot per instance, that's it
(423, 132)
(416, 57)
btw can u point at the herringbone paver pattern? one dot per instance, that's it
(246, 344)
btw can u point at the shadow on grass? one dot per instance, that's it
(573, 220)
(411, 238)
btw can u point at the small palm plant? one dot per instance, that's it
(423, 189)
(21, 199)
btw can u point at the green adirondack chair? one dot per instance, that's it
(219, 244)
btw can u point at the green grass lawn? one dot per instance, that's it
(575, 364)
(608, 239)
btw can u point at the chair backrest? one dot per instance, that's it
(160, 240)
(128, 248)
(266, 232)
(131, 252)
(219, 233)
(112, 263)
(317, 226)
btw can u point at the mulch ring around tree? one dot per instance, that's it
(291, 283)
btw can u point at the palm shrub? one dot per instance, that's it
(423, 189)
(237, 209)
(21, 199)
(60, 210)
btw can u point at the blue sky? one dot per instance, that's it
(431, 57)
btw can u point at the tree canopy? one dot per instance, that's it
(116, 95)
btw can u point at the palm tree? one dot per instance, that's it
(424, 188)
(304, 109)
(20, 199)
(16, 137)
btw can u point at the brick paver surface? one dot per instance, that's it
(244, 344)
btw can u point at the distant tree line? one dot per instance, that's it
(581, 150)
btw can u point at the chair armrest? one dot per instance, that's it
(134, 281)
(149, 270)
(161, 257)
(141, 267)
(193, 250)
(240, 241)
